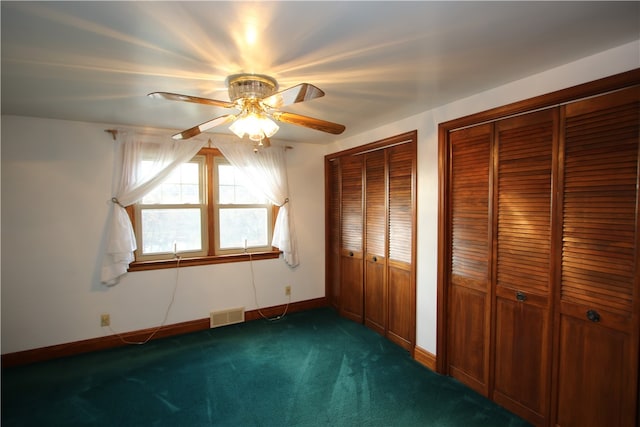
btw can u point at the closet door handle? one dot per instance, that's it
(520, 296)
(593, 315)
(375, 259)
(350, 253)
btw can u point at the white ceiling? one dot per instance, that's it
(376, 61)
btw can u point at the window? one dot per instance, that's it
(204, 211)
(173, 216)
(243, 218)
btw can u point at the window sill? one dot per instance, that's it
(190, 262)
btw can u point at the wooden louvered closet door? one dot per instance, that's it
(351, 238)
(372, 197)
(400, 282)
(539, 248)
(469, 299)
(376, 242)
(525, 147)
(597, 365)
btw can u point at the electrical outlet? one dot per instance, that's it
(105, 320)
(287, 290)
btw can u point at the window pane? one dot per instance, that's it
(240, 224)
(234, 189)
(189, 173)
(226, 175)
(226, 194)
(181, 186)
(162, 228)
(246, 197)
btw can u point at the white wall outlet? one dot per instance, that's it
(105, 320)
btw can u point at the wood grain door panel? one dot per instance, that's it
(469, 299)
(597, 364)
(375, 299)
(352, 296)
(522, 366)
(595, 388)
(401, 326)
(467, 349)
(525, 148)
(401, 201)
(351, 238)
(375, 284)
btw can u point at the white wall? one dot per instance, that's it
(56, 183)
(614, 61)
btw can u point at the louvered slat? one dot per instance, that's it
(470, 151)
(401, 159)
(525, 158)
(351, 232)
(334, 231)
(599, 209)
(334, 204)
(375, 203)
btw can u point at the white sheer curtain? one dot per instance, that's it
(267, 171)
(131, 184)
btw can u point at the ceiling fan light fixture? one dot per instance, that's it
(256, 125)
(250, 86)
(256, 97)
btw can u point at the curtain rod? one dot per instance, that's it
(114, 133)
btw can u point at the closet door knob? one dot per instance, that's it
(375, 259)
(593, 315)
(350, 253)
(520, 296)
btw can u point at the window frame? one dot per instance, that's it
(149, 262)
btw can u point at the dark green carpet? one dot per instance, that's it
(308, 369)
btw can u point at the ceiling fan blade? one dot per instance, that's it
(300, 93)
(188, 98)
(310, 122)
(197, 130)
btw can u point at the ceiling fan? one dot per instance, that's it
(256, 97)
